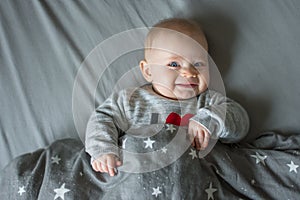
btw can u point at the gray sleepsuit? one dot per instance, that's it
(140, 107)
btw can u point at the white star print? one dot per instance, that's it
(164, 149)
(156, 191)
(60, 192)
(55, 159)
(21, 190)
(149, 143)
(293, 167)
(210, 192)
(170, 127)
(193, 154)
(259, 158)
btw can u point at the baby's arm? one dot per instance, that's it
(223, 118)
(106, 163)
(199, 135)
(103, 130)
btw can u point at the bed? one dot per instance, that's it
(47, 48)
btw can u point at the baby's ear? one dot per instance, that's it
(146, 70)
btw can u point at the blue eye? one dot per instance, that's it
(199, 64)
(173, 64)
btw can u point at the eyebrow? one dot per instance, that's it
(176, 57)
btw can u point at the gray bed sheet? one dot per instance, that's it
(43, 44)
(265, 169)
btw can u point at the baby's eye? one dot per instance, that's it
(173, 64)
(199, 64)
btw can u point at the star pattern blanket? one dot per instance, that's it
(264, 169)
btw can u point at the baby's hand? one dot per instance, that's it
(199, 134)
(106, 163)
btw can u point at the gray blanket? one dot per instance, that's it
(264, 169)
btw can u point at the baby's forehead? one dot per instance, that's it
(159, 31)
(158, 35)
(169, 39)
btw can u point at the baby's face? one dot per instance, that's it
(177, 65)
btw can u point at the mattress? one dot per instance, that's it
(44, 45)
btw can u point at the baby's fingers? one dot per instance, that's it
(206, 137)
(97, 166)
(192, 133)
(111, 162)
(199, 137)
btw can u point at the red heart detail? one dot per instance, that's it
(174, 118)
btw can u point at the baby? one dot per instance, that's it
(176, 66)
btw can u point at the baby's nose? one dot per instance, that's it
(189, 72)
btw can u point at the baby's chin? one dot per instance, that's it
(186, 94)
(178, 93)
